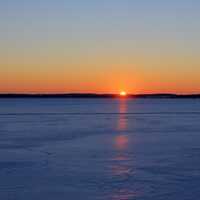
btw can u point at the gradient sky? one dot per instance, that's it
(140, 46)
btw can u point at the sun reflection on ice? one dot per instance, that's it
(121, 142)
(122, 120)
(122, 168)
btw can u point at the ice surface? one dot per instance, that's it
(144, 149)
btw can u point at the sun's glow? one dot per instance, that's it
(122, 93)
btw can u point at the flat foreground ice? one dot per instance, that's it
(92, 149)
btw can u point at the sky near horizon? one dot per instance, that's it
(102, 46)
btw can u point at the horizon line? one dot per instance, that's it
(99, 95)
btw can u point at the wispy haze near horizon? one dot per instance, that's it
(140, 46)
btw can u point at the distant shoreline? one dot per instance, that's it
(92, 95)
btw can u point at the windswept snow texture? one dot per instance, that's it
(99, 149)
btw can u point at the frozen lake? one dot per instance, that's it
(99, 149)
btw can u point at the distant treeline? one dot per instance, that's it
(91, 95)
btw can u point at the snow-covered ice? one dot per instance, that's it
(112, 149)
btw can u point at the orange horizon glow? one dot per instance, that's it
(70, 80)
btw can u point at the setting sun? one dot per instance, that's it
(122, 93)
